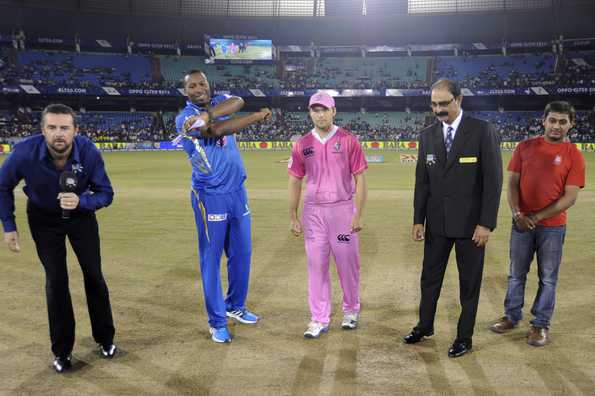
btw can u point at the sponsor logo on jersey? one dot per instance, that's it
(308, 152)
(343, 238)
(217, 217)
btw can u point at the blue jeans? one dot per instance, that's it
(546, 243)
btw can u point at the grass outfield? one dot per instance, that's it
(150, 262)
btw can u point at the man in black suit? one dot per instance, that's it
(458, 181)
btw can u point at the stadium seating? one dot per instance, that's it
(497, 71)
(118, 126)
(117, 70)
(61, 68)
(141, 126)
(8, 73)
(73, 69)
(220, 76)
(99, 126)
(580, 69)
(358, 73)
(519, 125)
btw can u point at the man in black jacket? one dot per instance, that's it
(458, 181)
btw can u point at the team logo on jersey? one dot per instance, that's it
(337, 147)
(343, 238)
(308, 152)
(557, 160)
(217, 217)
(221, 141)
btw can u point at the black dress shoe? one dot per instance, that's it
(61, 364)
(459, 348)
(416, 336)
(108, 351)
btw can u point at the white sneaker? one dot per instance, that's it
(350, 321)
(315, 329)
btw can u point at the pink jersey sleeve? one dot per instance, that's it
(295, 166)
(357, 159)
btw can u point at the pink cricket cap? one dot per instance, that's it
(323, 99)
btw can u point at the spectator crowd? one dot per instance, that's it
(136, 127)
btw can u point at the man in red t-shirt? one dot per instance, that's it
(546, 174)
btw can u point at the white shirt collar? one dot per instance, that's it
(327, 137)
(455, 125)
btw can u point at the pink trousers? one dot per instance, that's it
(326, 232)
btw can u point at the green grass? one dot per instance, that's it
(150, 262)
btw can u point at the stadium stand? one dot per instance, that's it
(497, 71)
(119, 126)
(579, 69)
(146, 126)
(58, 68)
(64, 69)
(98, 126)
(84, 69)
(220, 76)
(8, 73)
(356, 73)
(518, 125)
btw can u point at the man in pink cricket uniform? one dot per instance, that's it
(332, 160)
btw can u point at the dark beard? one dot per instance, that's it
(61, 150)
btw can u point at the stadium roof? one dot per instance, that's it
(288, 8)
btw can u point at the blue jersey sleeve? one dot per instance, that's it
(188, 146)
(9, 178)
(180, 118)
(100, 192)
(220, 98)
(186, 142)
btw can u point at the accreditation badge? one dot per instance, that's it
(468, 160)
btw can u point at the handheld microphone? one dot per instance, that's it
(68, 183)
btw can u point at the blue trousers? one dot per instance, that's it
(546, 243)
(223, 222)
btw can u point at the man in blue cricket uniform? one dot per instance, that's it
(43, 161)
(219, 198)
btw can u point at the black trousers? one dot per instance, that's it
(49, 231)
(470, 265)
